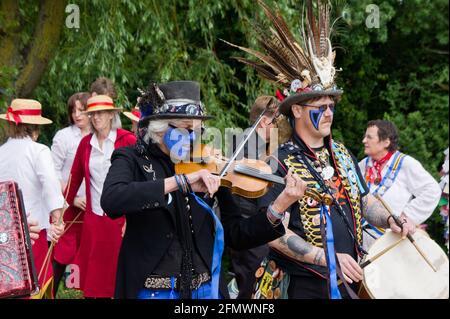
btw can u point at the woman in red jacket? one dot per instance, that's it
(101, 236)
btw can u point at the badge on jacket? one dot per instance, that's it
(149, 170)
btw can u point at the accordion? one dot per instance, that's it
(17, 271)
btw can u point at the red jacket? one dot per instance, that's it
(80, 167)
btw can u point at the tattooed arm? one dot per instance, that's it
(377, 215)
(295, 247)
(374, 211)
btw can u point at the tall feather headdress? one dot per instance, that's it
(305, 68)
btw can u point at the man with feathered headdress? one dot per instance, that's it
(324, 237)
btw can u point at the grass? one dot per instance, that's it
(66, 293)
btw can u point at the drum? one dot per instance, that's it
(402, 273)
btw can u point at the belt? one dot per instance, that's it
(157, 282)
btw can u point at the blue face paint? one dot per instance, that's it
(178, 141)
(315, 116)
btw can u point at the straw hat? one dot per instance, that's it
(26, 112)
(100, 103)
(134, 115)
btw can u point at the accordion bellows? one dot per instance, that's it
(17, 272)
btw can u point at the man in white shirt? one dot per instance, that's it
(30, 164)
(398, 178)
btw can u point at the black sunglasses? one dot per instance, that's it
(323, 108)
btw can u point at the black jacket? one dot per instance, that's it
(134, 187)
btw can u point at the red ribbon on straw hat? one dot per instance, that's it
(136, 113)
(101, 103)
(15, 114)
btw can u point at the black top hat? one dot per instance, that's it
(172, 100)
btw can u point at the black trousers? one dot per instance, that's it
(58, 273)
(312, 287)
(245, 263)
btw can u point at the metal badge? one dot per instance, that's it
(352, 176)
(311, 202)
(328, 173)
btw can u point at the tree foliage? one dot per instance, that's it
(398, 71)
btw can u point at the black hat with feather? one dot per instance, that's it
(304, 68)
(172, 100)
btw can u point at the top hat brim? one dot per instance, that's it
(285, 106)
(28, 119)
(168, 116)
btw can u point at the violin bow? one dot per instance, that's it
(241, 145)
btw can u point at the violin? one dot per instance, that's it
(248, 178)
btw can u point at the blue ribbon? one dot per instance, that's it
(172, 288)
(331, 255)
(218, 248)
(379, 233)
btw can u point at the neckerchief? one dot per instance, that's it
(375, 169)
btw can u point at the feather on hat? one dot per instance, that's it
(304, 68)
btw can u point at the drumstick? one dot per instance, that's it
(381, 253)
(411, 239)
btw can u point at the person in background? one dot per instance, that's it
(64, 147)
(31, 166)
(398, 178)
(101, 236)
(33, 227)
(245, 262)
(443, 203)
(103, 86)
(134, 116)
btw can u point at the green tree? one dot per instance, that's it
(398, 71)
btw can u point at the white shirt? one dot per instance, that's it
(414, 192)
(30, 165)
(64, 148)
(99, 163)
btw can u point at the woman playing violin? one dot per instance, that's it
(173, 243)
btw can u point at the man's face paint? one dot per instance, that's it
(316, 114)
